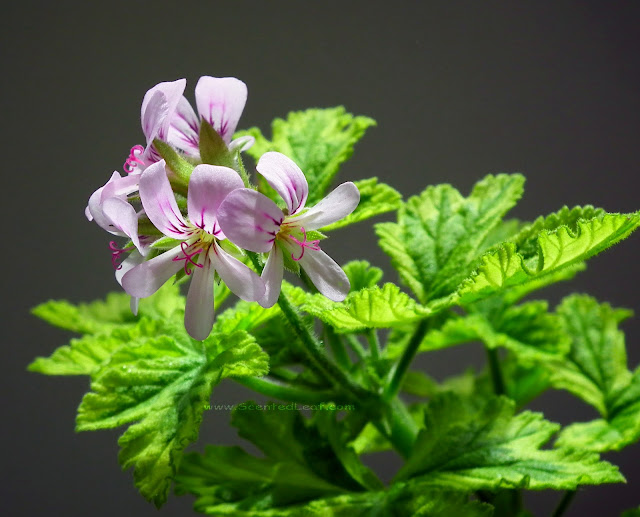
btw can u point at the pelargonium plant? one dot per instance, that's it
(331, 347)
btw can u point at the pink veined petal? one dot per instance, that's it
(134, 259)
(123, 217)
(239, 278)
(324, 272)
(286, 178)
(145, 279)
(272, 277)
(159, 202)
(121, 186)
(198, 312)
(250, 220)
(208, 186)
(242, 143)
(220, 102)
(184, 128)
(157, 111)
(338, 204)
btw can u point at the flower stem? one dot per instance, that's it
(564, 503)
(337, 347)
(496, 371)
(398, 372)
(283, 391)
(374, 343)
(355, 346)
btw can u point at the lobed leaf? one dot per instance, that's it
(160, 386)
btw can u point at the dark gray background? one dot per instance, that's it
(459, 89)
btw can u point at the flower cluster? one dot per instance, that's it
(205, 233)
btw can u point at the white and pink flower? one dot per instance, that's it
(254, 222)
(199, 251)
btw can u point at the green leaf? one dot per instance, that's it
(633, 512)
(373, 307)
(468, 444)
(160, 387)
(596, 371)
(554, 250)
(317, 140)
(228, 481)
(362, 275)
(285, 436)
(596, 368)
(440, 234)
(375, 199)
(213, 149)
(528, 330)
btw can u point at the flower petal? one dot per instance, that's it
(158, 106)
(220, 102)
(286, 178)
(123, 217)
(338, 204)
(134, 259)
(250, 220)
(239, 278)
(148, 277)
(198, 312)
(242, 143)
(324, 272)
(118, 187)
(208, 186)
(159, 202)
(184, 129)
(272, 277)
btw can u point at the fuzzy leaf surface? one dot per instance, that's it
(470, 444)
(440, 234)
(160, 387)
(373, 307)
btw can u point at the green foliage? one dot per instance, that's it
(213, 149)
(373, 307)
(551, 251)
(362, 275)
(160, 387)
(440, 234)
(181, 167)
(375, 199)
(469, 444)
(596, 371)
(319, 141)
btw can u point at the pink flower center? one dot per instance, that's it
(116, 254)
(312, 245)
(188, 257)
(133, 159)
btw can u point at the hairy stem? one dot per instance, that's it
(496, 371)
(398, 372)
(283, 391)
(564, 503)
(374, 343)
(337, 347)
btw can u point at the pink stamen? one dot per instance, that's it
(188, 257)
(133, 159)
(116, 253)
(312, 245)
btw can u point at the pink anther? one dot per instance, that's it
(187, 257)
(312, 245)
(133, 159)
(116, 253)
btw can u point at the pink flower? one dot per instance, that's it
(167, 115)
(199, 251)
(254, 222)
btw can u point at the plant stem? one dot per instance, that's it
(374, 343)
(337, 347)
(496, 371)
(355, 346)
(564, 503)
(282, 391)
(398, 372)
